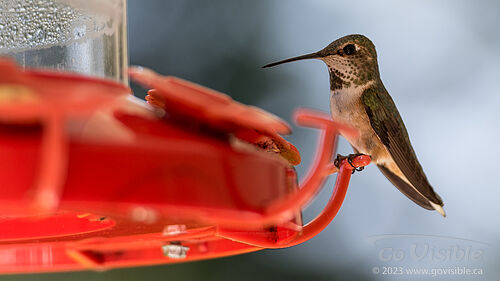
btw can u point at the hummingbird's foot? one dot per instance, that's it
(349, 159)
(338, 160)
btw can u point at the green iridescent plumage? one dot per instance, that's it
(389, 127)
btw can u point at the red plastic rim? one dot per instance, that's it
(58, 225)
(169, 194)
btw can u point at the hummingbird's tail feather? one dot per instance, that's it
(411, 192)
(438, 208)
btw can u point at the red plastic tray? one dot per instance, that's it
(178, 191)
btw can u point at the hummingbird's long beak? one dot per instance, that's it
(303, 57)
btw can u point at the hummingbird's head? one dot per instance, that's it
(351, 60)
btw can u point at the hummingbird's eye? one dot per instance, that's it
(349, 49)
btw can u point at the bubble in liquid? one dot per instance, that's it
(28, 24)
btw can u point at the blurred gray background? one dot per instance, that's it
(440, 62)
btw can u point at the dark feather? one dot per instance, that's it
(388, 125)
(406, 189)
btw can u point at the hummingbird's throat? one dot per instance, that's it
(339, 80)
(348, 76)
(345, 73)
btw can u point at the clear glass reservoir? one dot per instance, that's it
(84, 36)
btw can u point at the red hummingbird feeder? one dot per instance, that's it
(194, 175)
(92, 178)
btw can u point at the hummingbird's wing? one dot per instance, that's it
(405, 188)
(389, 127)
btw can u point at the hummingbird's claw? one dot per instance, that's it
(349, 158)
(338, 160)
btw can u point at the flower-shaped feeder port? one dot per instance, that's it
(194, 176)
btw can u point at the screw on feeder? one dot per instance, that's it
(175, 250)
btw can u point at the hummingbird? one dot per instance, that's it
(358, 97)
